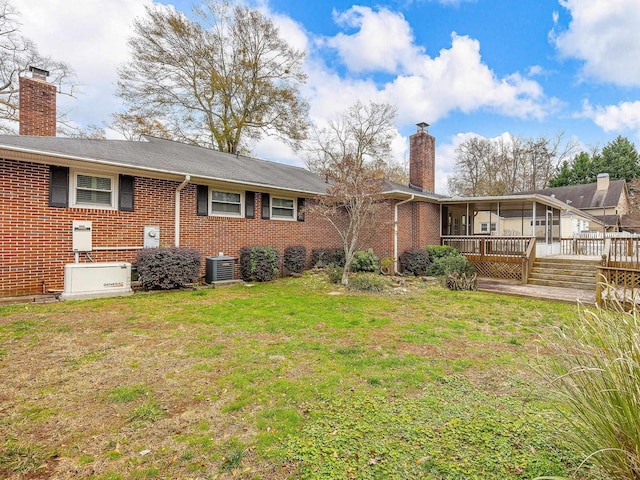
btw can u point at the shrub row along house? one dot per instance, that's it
(125, 195)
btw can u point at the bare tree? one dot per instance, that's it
(505, 166)
(17, 54)
(220, 82)
(351, 153)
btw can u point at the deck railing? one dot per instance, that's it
(624, 252)
(593, 247)
(489, 246)
(496, 257)
(618, 287)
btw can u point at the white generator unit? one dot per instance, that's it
(94, 280)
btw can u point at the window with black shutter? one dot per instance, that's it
(58, 186)
(301, 209)
(250, 204)
(266, 211)
(202, 200)
(125, 193)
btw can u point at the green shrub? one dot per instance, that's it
(365, 261)
(323, 257)
(370, 282)
(595, 372)
(258, 263)
(439, 251)
(295, 258)
(446, 260)
(414, 261)
(334, 272)
(167, 268)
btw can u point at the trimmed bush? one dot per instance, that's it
(365, 261)
(440, 251)
(459, 265)
(446, 260)
(369, 282)
(414, 261)
(258, 263)
(167, 268)
(323, 257)
(295, 258)
(334, 273)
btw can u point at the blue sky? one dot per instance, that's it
(477, 67)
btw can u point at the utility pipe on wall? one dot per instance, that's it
(177, 213)
(395, 232)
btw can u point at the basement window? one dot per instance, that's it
(283, 208)
(226, 203)
(94, 191)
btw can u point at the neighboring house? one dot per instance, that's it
(607, 200)
(191, 196)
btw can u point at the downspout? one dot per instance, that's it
(177, 213)
(395, 232)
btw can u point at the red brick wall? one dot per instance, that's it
(418, 225)
(37, 108)
(36, 243)
(422, 158)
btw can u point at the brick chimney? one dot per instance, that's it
(37, 105)
(422, 159)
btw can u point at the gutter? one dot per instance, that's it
(395, 232)
(176, 234)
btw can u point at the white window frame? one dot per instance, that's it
(225, 214)
(294, 210)
(74, 188)
(484, 227)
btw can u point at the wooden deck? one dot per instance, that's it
(567, 295)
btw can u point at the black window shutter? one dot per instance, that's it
(266, 211)
(125, 193)
(249, 204)
(202, 200)
(58, 186)
(301, 209)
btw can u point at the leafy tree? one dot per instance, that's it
(220, 81)
(18, 54)
(506, 165)
(619, 158)
(350, 152)
(579, 171)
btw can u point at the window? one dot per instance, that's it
(283, 208)
(96, 191)
(226, 203)
(484, 227)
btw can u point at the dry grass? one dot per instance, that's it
(210, 383)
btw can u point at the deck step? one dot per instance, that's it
(564, 273)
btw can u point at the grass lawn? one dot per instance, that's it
(292, 379)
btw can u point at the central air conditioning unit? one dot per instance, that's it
(94, 280)
(218, 269)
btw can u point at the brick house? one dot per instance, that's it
(194, 197)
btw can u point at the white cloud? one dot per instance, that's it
(89, 35)
(368, 49)
(457, 79)
(620, 117)
(605, 35)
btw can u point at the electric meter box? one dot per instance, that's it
(151, 237)
(82, 236)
